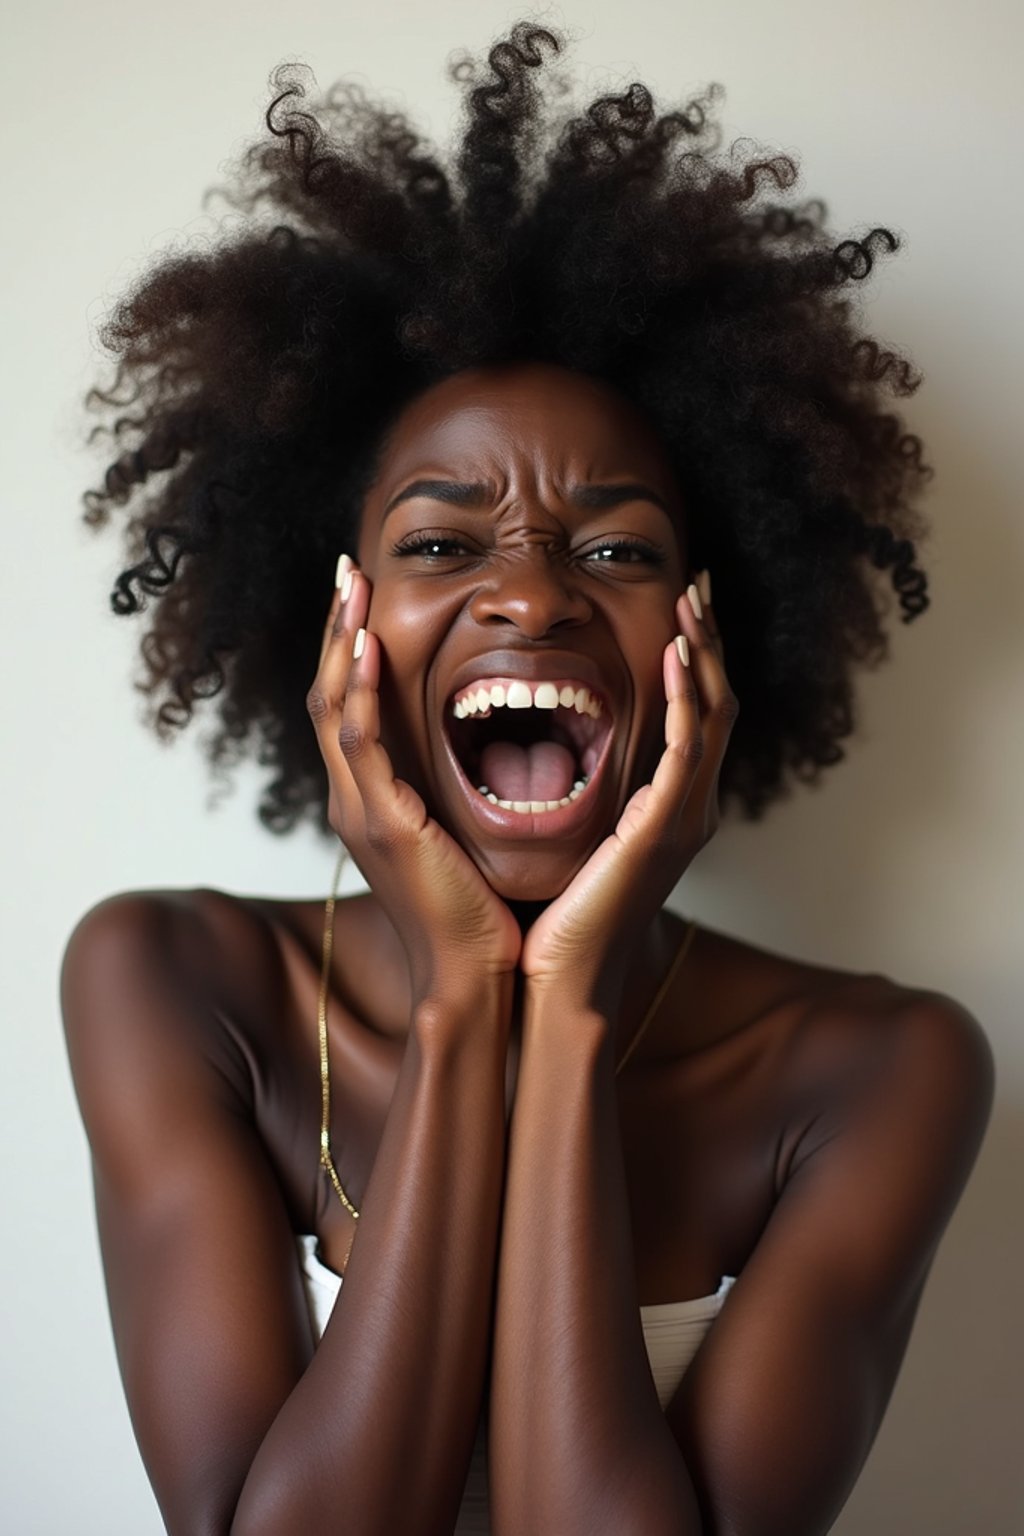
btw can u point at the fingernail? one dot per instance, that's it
(704, 585)
(344, 565)
(346, 585)
(695, 602)
(683, 649)
(360, 641)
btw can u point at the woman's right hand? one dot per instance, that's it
(457, 932)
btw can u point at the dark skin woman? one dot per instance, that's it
(531, 511)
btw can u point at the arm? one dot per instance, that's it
(577, 1439)
(242, 1426)
(773, 1420)
(782, 1404)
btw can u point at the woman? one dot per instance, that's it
(644, 1212)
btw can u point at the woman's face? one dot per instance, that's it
(524, 529)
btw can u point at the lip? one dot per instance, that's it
(545, 666)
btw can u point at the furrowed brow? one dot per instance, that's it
(597, 498)
(457, 493)
(461, 493)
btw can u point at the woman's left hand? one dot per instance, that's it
(581, 945)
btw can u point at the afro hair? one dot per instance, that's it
(252, 384)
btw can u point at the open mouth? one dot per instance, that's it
(528, 746)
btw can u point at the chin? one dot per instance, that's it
(533, 875)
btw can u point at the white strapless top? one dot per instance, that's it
(672, 1333)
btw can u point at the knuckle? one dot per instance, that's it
(691, 750)
(662, 845)
(352, 739)
(317, 704)
(383, 837)
(728, 708)
(688, 754)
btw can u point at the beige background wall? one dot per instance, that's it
(909, 861)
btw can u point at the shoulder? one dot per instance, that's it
(834, 1040)
(868, 1027)
(936, 1055)
(170, 1000)
(905, 1074)
(162, 974)
(127, 927)
(193, 934)
(838, 1024)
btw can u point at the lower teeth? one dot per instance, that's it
(529, 807)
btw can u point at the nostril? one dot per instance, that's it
(535, 612)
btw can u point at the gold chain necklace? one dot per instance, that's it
(326, 1160)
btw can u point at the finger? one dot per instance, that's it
(325, 699)
(719, 705)
(703, 584)
(332, 614)
(387, 804)
(684, 743)
(342, 584)
(345, 563)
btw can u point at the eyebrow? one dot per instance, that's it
(461, 493)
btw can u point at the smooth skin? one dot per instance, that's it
(805, 1129)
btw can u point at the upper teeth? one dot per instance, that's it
(481, 698)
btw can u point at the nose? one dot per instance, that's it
(533, 592)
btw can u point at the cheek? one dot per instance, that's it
(405, 616)
(402, 628)
(413, 621)
(646, 658)
(408, 640)
(647, 668)
(401, 721)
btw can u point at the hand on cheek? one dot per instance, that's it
(584, 938)
(455, 929)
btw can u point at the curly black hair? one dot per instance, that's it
(255, 381)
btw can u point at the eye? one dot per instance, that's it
(431, 546)
(624, 551)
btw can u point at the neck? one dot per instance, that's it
(651, 959)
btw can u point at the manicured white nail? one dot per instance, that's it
(344, 565)
(360, 641)
(346, 585)
(683, 649)
(704, 585)
(695, 602)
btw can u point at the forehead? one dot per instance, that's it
(512, 418)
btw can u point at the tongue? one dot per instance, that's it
(543, 771)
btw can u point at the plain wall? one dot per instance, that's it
(907, 860)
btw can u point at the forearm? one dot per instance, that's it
(377, 1435)
(577, 1439)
